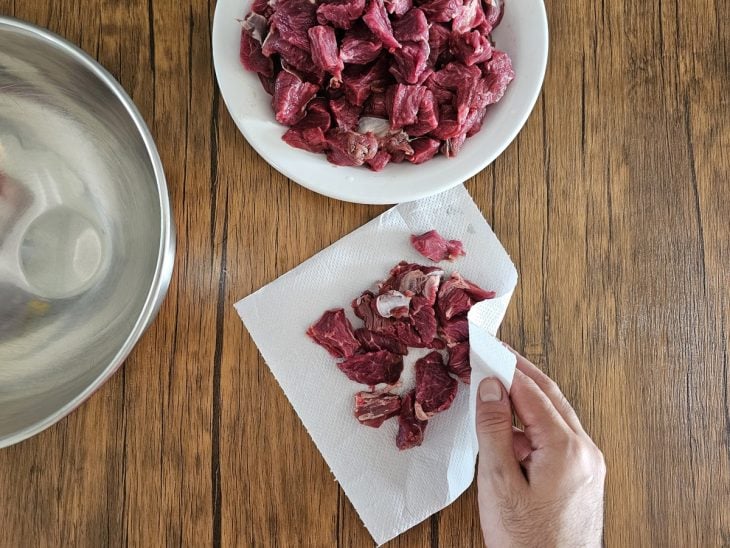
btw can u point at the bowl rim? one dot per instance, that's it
(290, 171)
(166, 251)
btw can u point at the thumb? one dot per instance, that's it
(497, 461)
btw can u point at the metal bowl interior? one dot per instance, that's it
(86, 238)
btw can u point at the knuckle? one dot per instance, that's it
(494, 419)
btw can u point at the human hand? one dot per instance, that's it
(541, 486)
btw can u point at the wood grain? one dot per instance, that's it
(612, 201)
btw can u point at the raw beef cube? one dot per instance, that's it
(414, 279)
(254, 30)
(402, 102)
(375, 106)
(374, 409)
(291, 55)
(454, 303)
(318, 116)
(435, 247)
(324, 50)
(411, 61)
(292, 18)
(373, 368)
(309, 133)
(393, 304)
(398, 7)
(311, 139)
(471, 48)
(455, 74)
(469, 17)
(340, 14)
(291, 96)
(412, 27)
(349, 148)
(448, 124)
(376, 18)
(358, 82)
(443, 96)
(360, 46)
(423, 317)
(457, 295)
(435, 389)
(397, 142)
(333, 331)
(441, 11)
(347, 115)
(424, 149)
(410, 428)
(454, 331)
(427, 118)
(365, 309)
(459, 362)
(252, 58)
(438, 39)
(372, 342)
(498, 73)
(379, 161)
(456, 282)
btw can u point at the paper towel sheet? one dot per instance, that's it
(391, 490)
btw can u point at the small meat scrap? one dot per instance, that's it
(373, 368)
(333, 331)
(372, 342)
(458, 363)
(410, 427)
(393, 304)
(373, 409)
(435, 247)
(435, 389)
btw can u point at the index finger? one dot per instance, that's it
(551, 389)
(543, 424)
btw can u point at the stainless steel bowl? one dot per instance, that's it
(86, 235)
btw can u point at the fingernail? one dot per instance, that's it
(490, 390)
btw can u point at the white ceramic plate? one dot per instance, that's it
(523, 34)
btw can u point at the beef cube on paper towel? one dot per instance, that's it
(408, 485)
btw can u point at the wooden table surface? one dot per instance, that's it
(613, 201)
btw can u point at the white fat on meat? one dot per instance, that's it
(390, 301)
(380, 127)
